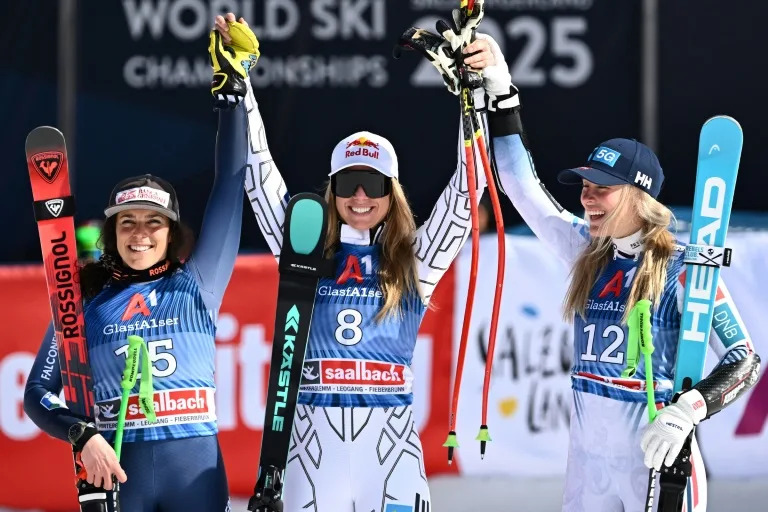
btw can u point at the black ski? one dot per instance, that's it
(302, 263)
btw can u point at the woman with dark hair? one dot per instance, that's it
(94, 275)
(151, 283)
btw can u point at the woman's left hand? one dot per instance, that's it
(664, 438)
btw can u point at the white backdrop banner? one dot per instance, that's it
(530, 395)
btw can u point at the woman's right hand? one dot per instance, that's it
(100, 462)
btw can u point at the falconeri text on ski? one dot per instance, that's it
(301, 266)
(54, 210)
(720, 144)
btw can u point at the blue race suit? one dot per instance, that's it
(174, 464)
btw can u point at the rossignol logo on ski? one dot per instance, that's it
(65, 283)
(54, 206)
(703, 283)
(284, 378)
(48, 164)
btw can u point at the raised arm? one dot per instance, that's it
(559, 229)
(234, 51)
(263, 183)
(213, 258)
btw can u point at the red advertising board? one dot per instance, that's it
(244, 335)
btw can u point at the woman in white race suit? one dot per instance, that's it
(355, 446)
(620, 252)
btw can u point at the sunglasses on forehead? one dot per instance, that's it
(375, 185)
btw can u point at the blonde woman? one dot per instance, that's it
(355, 444)
(620, 252)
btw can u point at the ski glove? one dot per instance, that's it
(443, 49)
(500, 94)
(437, 50)
(664, 438)
(231, 64)
(463, 30)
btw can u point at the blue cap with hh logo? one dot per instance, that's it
(619, 162)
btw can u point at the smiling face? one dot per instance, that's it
(605, 212)
(142, 237)
(360, 211)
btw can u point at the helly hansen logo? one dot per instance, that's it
(643, 180)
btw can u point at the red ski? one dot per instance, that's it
(54, 211)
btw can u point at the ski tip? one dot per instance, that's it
(43, 137)
(723, 118)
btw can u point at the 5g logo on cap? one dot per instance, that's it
(605, 155)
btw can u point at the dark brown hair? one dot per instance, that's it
(94, 275)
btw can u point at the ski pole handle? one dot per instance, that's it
(90, 497)
(130, 373)
(642, 310)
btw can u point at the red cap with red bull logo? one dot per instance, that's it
(368, 149)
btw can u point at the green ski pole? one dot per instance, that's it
(136, 347)
(639, 324)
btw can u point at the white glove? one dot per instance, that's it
(500, 93)
(463, 30)
(664, 438)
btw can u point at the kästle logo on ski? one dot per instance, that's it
(284, 377)
(48, 164)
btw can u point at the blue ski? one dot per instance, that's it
(720, 145)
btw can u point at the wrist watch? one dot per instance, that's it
(79, 433)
